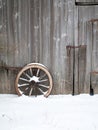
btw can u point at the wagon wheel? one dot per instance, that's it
(34, 79)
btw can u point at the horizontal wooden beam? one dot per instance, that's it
(86, 3)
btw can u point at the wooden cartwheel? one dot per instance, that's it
(34, 79)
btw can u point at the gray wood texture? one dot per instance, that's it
(41, 31)
(87, 57)
(36, 31)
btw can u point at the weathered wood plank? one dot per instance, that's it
(75, 50)
(94, 77)
(82, 68)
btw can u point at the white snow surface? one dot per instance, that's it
(58, 112)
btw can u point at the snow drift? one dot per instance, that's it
(58, 112)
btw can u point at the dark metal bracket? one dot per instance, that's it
(93, 20)
(10, 68)
(94, 72)
(69, 47)
(86, 3)
(74, 47)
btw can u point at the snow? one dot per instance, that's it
(58, 112)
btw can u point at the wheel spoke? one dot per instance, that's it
(44, 86)
(20, 91)
(44, 80)
(27, 75)
(21, 85)
(31, 72)
(42, 76)
(41, 91)
(30, 91)
(24, 79)
(26, 88)
(37, 72)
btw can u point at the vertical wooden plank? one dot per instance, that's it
(82, 68)
(23, 32)
(35, 30)
(3, 32)
(94, 76)
(65, 60)
(10, 33)
(81, 52)
(4, 87)
(55, 42)
(76, 51)
(70, 42)
(45, 24)
(88, 58)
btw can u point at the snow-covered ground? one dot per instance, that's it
(59, 112)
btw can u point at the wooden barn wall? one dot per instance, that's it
(56, 33)
(86, 64)
(37, 31)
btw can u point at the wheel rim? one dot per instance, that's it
(35, 80)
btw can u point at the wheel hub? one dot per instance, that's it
(34, 79)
